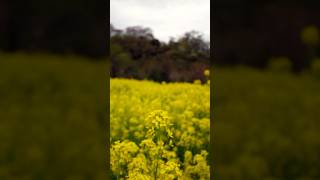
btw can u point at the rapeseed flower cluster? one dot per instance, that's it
(159, 131)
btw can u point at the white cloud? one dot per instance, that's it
(167, 18)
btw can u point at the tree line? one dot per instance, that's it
(54, 26)
(252, 32)
(136, 53)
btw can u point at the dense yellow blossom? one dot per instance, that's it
(159, 131)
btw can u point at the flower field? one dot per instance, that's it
(52, 117)
(159, 131)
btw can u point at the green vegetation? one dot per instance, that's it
(136, 53)
(52, 117)
(266, 125)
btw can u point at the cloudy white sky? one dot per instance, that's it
(167, 18)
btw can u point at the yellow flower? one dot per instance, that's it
(197, 81)
(147, 143)
(310, 35)
(207, 72)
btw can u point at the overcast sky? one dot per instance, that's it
(167, 18)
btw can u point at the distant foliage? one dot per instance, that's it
(54, 26)
(182, 59)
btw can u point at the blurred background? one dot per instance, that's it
(256, 33)
(54, 26)
(266, 84)
(53, 89)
